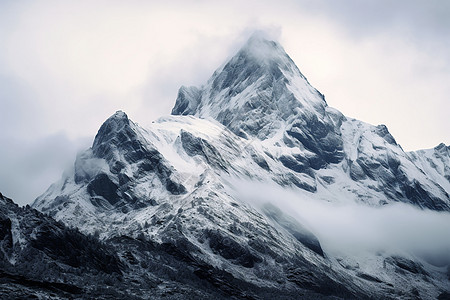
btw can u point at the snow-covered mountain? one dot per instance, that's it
(261, 95)
(257, 119)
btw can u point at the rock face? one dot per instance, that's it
(39, 255)
(44, 259)
(166, 195)
(435, 163)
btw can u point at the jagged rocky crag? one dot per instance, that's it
(168, 189)
(39, 255)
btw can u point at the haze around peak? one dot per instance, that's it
(261, 46)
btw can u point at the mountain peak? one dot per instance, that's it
(114, 123)
(262, 48)
(118, 118)
(442, 149)
(260, 35)
(266, 55)
(116, 129)
(119, 115)
(254, 93)
(440, 146)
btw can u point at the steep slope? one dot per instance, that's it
(170, 188)
(241, 94)
(260, 94)
(41, 256)
(43, 259)
(207, 225)
(435, 163)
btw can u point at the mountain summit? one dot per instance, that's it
(255, 93)
(174, 195)
(261, 94)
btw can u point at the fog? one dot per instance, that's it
(353, 228)
(44, 160)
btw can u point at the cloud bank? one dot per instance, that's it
(351, 228)
(30, 167)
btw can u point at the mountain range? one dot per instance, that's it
(193, 206)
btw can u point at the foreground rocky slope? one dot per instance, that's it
(41, 256)
(170, 190)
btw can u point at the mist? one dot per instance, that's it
(354, 228)
(29, 167)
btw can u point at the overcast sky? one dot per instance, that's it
(65, 66)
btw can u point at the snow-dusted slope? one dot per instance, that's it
(166, 184)
(261, 95)
(256, 120)
(435, 163)
(241, 94)
(124, 194)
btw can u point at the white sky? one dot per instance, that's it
(65, 66)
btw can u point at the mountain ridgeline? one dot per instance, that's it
(164, 199)
(260, 93)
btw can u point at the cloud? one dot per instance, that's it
(17, 107)
(417, 19)
(351, 229)
(29, 167)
